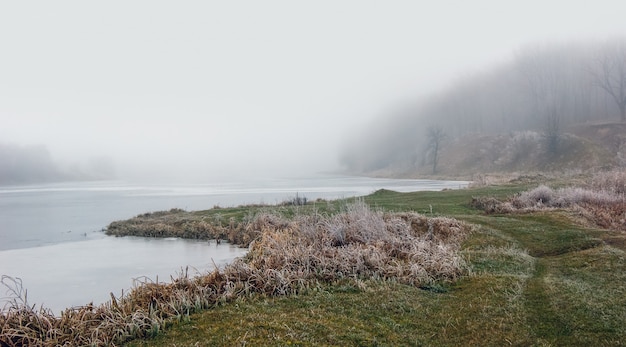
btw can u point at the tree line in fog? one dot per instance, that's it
(544, 88)
(23, 164)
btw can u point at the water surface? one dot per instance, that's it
(77, 273)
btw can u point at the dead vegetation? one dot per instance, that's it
(286, 256)
(601, 201)
(188, 225)
(406, 247)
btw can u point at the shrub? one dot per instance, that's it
(540, 196)
(602, 201)
(295, 201)
(610, 181)
(407, 247)
(491, 205)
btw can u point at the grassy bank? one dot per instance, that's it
(531, 276)
(288, 256)
(542, 278)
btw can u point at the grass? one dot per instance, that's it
(287, 257)
(370, 314)
(538, 278)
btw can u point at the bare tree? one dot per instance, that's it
(610, 74)
(549, 90)
(435, 136)
(552, 129)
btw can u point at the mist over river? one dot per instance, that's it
(51, 234)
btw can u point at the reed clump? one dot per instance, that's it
(188, 225)
(286, 256)
(601, 201)
(406, 247)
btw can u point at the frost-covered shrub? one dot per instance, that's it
(361, 242)
(544, 196)
(602, 202)
(611, 181)
(576, 195)
(540, 196)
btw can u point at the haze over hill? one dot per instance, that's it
(202, 90)
(554, 107)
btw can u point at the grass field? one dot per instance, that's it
(536, 279)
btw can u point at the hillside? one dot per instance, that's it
(585, 147)
(588, 147)
(611, 136)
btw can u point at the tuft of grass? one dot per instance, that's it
(407, 247)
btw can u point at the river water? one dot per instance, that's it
(51, 235)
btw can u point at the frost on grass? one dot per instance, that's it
(406, 247)
(602, 201)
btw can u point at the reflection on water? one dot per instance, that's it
(77, 273)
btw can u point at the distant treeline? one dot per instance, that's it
(34, 164)
(544, 88)
(27, 164)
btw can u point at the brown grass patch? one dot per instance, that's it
(183, 224)
(601, 202)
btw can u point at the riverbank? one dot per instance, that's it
(518, 277)
(289, 255)
(73, 274)
(537, 277)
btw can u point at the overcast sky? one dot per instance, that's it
(248, 87)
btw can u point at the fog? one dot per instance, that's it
(198, 90)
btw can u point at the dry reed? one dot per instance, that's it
(602, 201)
(286, 257)
(179, 223)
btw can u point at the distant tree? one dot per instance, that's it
(610, 74)
(435, 136)
(552, 129)
(549, 91)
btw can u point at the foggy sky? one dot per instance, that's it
(200, 89)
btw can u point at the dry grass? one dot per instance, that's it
(601, 202)
(406, 247)
(183, 224)
(286, 257)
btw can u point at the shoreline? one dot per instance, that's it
(99, 267)
(499, 256)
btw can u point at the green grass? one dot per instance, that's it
(537, 279)
(374, 314)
